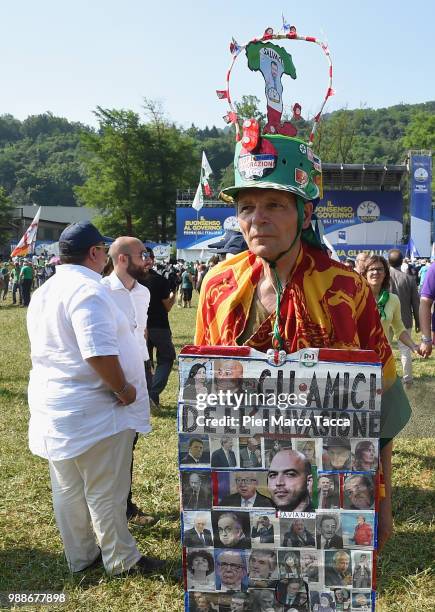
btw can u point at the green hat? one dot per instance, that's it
(278, 162)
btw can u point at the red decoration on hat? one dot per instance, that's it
(251, 134)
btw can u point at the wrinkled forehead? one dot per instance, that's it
(254, 195)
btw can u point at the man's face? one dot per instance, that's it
(360, 262)
(298, 526)
(358, 493)
(231, 569)
(135, 261)
(338, 456)
(147, 264)
(274, 69)
(342, 563)
(228, 374)
(328, 528)
(259, 565)
(238, 605)
(200, 523)
(324, 484)
(227, 444)
(229, 530)
(267, 600)
(293, 588)
(196, 449)
(246, 484)
(287, 480)
(252, 444)
(268, 220)
(195, 481)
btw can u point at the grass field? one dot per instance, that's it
(31, 555)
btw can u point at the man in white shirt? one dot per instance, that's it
(87, 399)
(128, 254)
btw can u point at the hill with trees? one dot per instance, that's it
(131, 166)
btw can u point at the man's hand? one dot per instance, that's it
(425, 349)
(128, 395)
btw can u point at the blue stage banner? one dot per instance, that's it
(195, 230)
(421, 202)
(363, 220)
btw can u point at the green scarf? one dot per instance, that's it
(383, 298)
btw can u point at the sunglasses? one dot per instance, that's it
(102, 246)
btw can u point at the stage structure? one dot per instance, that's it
(361, 210)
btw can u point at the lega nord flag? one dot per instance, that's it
(198, 201)
(27, 242)
(205, 173)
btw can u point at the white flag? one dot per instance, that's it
(26, 245)
(205, 173)
(198, 201)
(206, 166)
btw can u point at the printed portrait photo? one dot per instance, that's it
(289, 564)
(195, 378)
(194, 450)
(273, 446)
(264, 529)
(343, 599)
(231, 570)
(250, 452)
(311, 565)
(365, 455)
(311, 449)
(338, 568)
(243, 489)
(298, 532)
(231, 529)
(362, 562)
(291, 593)
(196, 490)
(358, 528)
(336, 455)
(197, 529)
(359, 492)
(263, 599)
(291, 481)
(361, 601)
(322, 601)
(262, 567)
(224, 451)
(201, 602)
(328, 491)
(200, 569)
(328, 530)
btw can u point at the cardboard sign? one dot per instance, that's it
(279, 478)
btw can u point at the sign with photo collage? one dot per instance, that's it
(279, 479)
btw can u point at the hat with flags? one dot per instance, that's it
(271, 156)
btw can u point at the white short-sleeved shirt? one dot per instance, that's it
(70, 318)
(134, 304)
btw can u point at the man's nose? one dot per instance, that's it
(280, 480)
(259, 217)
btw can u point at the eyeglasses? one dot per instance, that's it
(232, 566)
(145, 255)
(378, 270)
(245, 481)
(102, 246)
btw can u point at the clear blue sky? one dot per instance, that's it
(69, 57)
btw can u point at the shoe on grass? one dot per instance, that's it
(146, 566)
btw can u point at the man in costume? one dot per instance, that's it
(284, 292)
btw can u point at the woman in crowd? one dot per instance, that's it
(377, 274)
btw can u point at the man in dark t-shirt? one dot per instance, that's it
(159, 331)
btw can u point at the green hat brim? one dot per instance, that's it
(229, 193)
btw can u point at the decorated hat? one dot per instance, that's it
(270, 156)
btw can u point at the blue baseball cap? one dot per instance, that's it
(79, 237)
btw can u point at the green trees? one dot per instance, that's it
(5, 217)
(133, 170)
